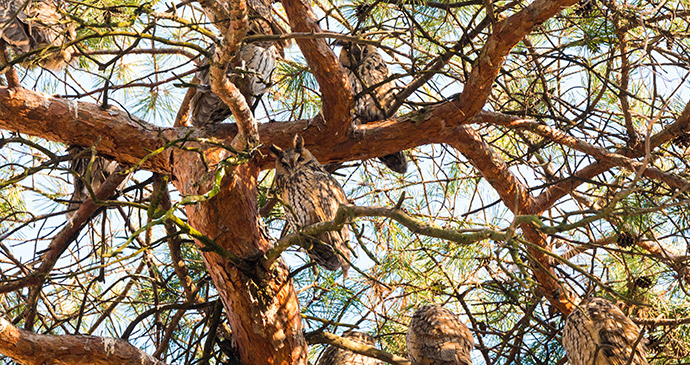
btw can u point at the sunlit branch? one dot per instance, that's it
(344, 343)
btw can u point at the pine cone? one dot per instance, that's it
(625, 240)
(584, 7)
(643, 282)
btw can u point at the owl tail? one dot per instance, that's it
(396, 162)
(325, 256)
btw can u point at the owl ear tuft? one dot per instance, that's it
(275, 151)
(298, 142)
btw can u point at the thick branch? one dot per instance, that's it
(336, 93)
(30, 348)
(516, 197)
(128, 140)
(507, 33)
(119, 134)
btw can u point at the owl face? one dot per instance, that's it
(292, 159)
(352, 54)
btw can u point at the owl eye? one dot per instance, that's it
(300, 158)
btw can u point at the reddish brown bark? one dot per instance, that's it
(264, 315)
(336, 94)
(119, 135)
(516, 197)
(507, 33)
(29, 348)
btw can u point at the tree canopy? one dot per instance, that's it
(547, 141)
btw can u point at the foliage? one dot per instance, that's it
(569, 75)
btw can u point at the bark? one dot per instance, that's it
(119, 135)
(515, 196)
(29, 348)
(336, 93)
(356, 347)
(128, 140)
(263, 312)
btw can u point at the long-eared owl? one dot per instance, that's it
(337, 356)
(436, 336)
(28, 25)
(101, 169)
(599, 333)
(366, 71)
(312, 195)
(250, 70)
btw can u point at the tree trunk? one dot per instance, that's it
(264, 315)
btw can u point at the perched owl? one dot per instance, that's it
(337, 356)
(598, 333)
(437, 336)
(101, 169)
(250, 70)
(312, 195)
(365, 69)
(27, 25)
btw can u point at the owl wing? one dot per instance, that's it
(330, 195)
(371, 71)
(313, 197)
(578, 339)
(101, 169)
(618, 335)
(13, 30)
(373, 105)
(35, 25)
(437, 336)
(250, 71)
(605, 331)
(254, 68)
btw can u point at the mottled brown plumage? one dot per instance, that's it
(100, 170)
(250, 70)
(27, 26)
(366, 71)
(312, 195)
(336, 356)
(599, 333)
(436, 336)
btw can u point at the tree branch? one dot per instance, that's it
(516, 197)
(336, 93)
(33, 349)
(356, 347)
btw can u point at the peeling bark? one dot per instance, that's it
(29, 348)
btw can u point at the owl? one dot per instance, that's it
(598, 333)
(312, 195)
(101, 169)
(250, 70)
(37, 24)
(337, 356)
(436, 336)
(365, 69)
